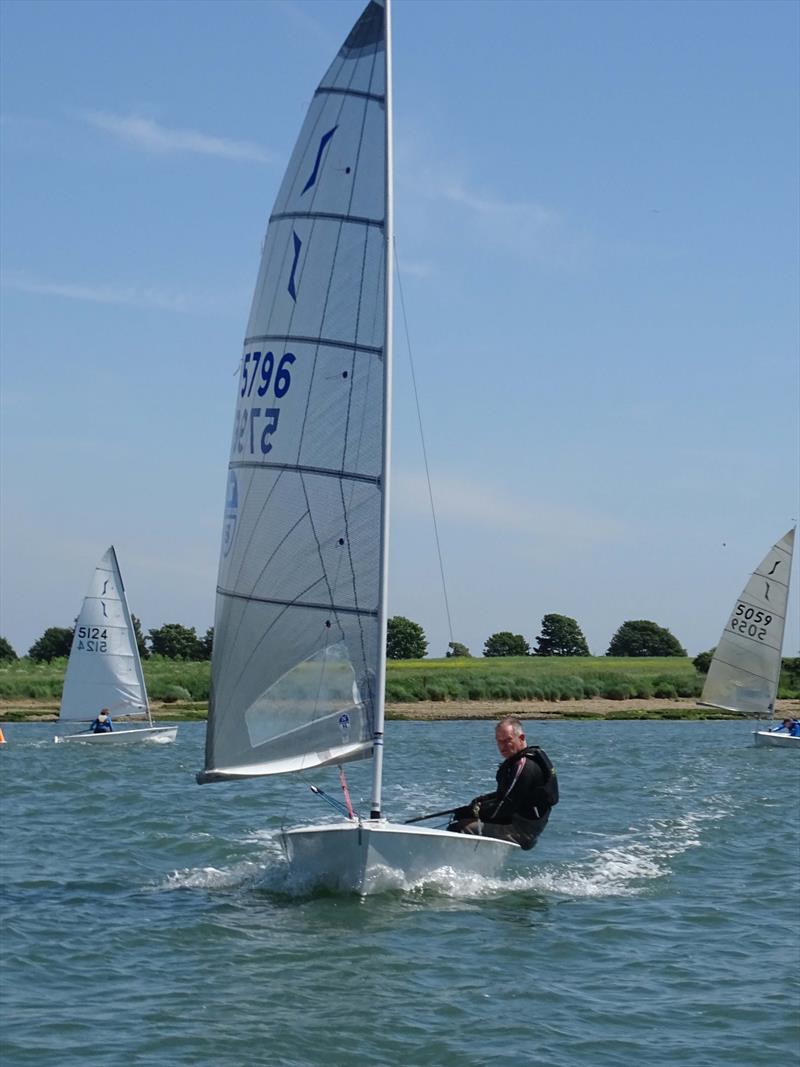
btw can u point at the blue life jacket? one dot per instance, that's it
(102, 727)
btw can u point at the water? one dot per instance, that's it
(150, 921)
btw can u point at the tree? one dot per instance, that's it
(55, 641)
(7, 653)
(175, 641)
(144, 651)
(405, 639)
(703, 661)
(641, 637)
(506, 644)
(207, 644)
(455, 650)
(560, 636)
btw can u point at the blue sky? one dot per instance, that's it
(597, 225)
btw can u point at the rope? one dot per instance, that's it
(422, 439)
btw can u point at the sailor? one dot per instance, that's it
(102, 724)
(790, 726)
(527, 789)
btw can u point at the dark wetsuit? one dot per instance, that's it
(519, 808)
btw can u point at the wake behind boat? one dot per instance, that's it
(299, 660)
(746, 666)
(104, 670)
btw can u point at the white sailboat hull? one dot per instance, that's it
(766, 739)
(157, 734)
(376, 855)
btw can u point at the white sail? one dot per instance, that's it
(297, 670)
(104, 669)
(746, 665)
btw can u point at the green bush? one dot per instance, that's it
(172, 693)
(789, 687)
(499, 691)
(665, 691)
(618, 691)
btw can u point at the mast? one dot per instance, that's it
(377, 763)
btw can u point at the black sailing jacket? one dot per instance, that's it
(529, 792)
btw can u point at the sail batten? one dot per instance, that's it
(328, 216)
(294, 680)
(323, 342)
(333, 609)
(745, 669)
(298, 468)
(328, 90)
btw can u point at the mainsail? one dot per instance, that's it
(297, 669)
(104, 669)
(746, 665)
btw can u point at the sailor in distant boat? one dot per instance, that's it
(527, 788)
(102, 724)
(789, 726)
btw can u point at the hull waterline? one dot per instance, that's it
(162, 735)
(374, 855)
(766, 739)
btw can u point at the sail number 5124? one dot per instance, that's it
(750, 622)
(256, 423)
(92, 639)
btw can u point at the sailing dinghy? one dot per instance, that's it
(299, 659)
(104, 668)
(746, 666)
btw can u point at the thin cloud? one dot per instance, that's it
(532, 213)
(128, 296)
(149, 136)
(487, 506)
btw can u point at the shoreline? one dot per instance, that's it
(444, 711)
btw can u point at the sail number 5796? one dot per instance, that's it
(256, 423)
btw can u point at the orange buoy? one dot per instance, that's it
(2, 739)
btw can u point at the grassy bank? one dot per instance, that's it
(531, 678)
(520, 678)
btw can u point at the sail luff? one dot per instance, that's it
(789, 537)
(380, 696)
(137, 660)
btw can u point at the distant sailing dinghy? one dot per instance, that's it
(104, 668)
(746, 666)
(299, 660)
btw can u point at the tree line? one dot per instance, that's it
(559, 636)
(172, 640)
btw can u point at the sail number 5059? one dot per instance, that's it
(750, 622)
(254, 425)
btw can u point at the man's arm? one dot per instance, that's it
(476, 807)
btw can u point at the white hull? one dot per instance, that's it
(376, 855)
(157, 734)
(765, 739)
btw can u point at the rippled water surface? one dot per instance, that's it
(149, 921)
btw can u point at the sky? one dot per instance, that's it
(596, 223)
